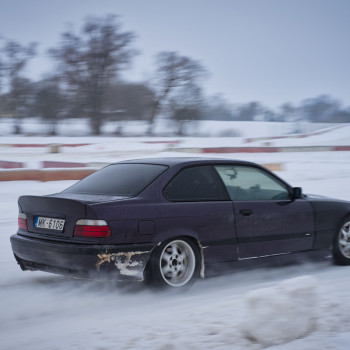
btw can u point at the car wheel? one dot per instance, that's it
(341, 244)
(175, 263)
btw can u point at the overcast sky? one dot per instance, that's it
(272, 51)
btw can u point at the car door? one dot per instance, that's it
(268, 221)
(199, 205)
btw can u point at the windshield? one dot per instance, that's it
(125, 180)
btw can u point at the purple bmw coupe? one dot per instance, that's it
(164, 220)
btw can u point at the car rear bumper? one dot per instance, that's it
(82, 260)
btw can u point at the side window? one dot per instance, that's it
(244, 183)
(199, 183)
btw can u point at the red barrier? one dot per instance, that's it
(175, 142)
(341, 148)
(240, 150)
(51, 164)
(10, 165)
(45, 175)
(23, 145)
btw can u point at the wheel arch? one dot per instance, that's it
(339, 226)
(339, 257)
(328, 216)
(169, 236)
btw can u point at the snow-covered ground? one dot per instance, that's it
(79, 127)
(93, 150)
(296, 306)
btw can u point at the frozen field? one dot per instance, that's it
(298, 306)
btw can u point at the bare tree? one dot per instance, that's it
(49, 102)
(250, 111)
(2, 66)
(15, 58)
(20, 100)
(319, 109)
(2, 74)
(89, 61)
(289, 113)
(185, 106)
(173, 76)
(129, 101)
(218, 108)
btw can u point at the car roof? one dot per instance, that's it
(186, 161)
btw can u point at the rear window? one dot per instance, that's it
(125, 180)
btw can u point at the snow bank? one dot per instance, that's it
(281, 313)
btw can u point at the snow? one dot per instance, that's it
(303, 306)
(281, 313)
(80, 126)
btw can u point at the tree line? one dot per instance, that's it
(87, 83)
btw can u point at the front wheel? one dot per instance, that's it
(341, 244)
(175, 263)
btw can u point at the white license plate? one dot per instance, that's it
(49, 223)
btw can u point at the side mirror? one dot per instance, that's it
(297, 193)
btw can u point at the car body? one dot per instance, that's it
(163, 220)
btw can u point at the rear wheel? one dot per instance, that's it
(341, 244)
(175, 263)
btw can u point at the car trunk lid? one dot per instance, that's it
(52, 216)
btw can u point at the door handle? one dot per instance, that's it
(246, 212)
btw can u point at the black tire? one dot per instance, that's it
(174, 263)
(341, 244)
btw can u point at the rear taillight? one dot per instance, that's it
(22, 221)
(91, 228)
